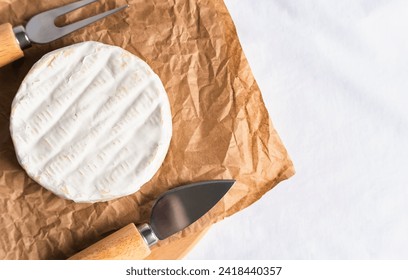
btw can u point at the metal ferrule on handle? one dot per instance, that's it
(21, 37)
(148, 235)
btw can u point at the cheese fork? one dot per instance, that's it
(41, 29)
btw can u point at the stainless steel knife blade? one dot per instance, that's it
(182, 206)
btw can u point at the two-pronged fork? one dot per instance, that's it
(41, 29)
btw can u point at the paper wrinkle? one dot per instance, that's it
(221, 129)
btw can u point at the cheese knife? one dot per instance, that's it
(173, 211)
(41, 29)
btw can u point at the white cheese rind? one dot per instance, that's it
(91, 122)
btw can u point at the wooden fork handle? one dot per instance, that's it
(9, 47)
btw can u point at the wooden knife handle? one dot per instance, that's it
(9, 48)
(124, 244)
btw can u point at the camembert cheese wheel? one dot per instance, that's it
(91, 122)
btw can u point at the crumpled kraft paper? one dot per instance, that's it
(221, 129)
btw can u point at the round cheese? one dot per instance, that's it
(91, 122)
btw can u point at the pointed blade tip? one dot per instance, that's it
(228, 184)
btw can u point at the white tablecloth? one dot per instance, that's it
(334, 77)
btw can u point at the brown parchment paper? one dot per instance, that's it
(221, 129)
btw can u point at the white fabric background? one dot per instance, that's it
(334, 77)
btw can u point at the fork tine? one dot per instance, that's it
(70, 7)
(41, 28)
(82, 23)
